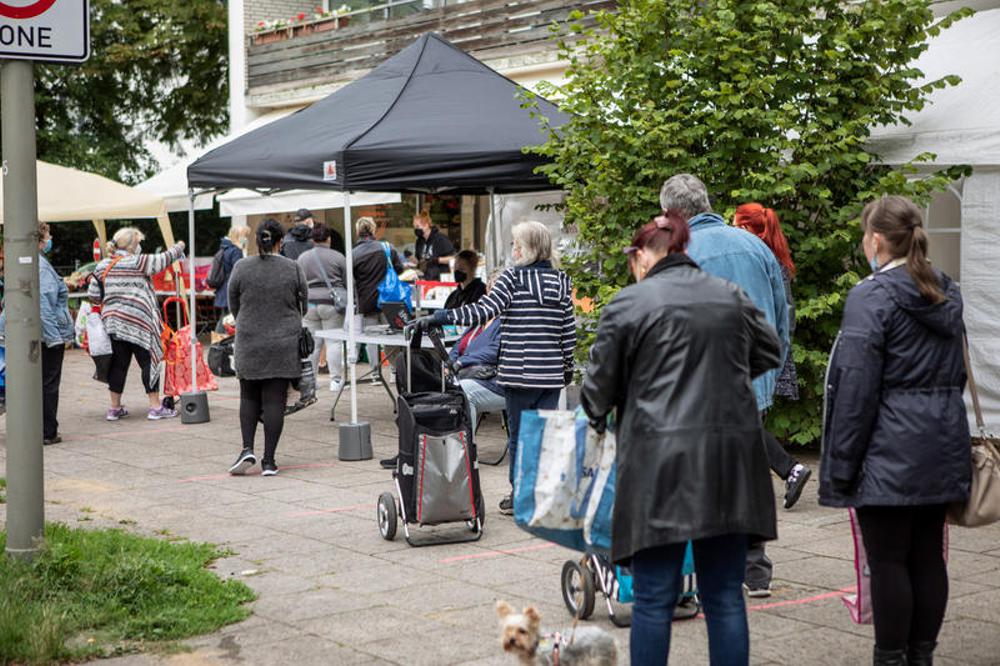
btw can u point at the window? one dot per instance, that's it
(943, 221)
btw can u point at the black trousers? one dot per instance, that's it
(777, 457)
(909, 578)
(121, 358)
(52, 362)
(263, 399)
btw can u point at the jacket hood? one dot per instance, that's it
(301, 232)
(544, 283)
(943, 318)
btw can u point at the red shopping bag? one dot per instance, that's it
(177, 357)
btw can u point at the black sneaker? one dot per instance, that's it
(795, 483)
(389, 463)
(507, 505)
(243, 464)
(55, 439)
(268, 468)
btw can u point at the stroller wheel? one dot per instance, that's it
(578, 590)
(386, 515)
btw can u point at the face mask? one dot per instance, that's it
(48, 246)
(461, 276)
(873, 262)
(418, 232)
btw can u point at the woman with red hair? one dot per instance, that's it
(763, 223)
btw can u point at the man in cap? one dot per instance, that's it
(299, 237)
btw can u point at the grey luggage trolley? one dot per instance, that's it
(437, 472)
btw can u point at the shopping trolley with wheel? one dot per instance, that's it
(581, 580)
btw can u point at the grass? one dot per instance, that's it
(96, 593)
(3, 485)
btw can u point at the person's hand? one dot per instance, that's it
(425, 323)
(181, 245)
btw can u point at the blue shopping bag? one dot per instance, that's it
(3, 369)
(553, 476)
(392, 289)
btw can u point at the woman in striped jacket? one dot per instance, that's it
(534, 302)
(123, 287)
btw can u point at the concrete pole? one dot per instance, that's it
(25, 481)
(193, 314)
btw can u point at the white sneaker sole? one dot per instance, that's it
(756, 594)
(243, 466)
(150, 417)
(269, 472)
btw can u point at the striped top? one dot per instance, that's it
(129, 309)
(538, 327)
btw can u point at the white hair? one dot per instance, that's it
(685, 193)
(535, 243)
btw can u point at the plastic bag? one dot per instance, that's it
(98, 342)
(391, 289)
(177, 365)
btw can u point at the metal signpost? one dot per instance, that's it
(50, 30)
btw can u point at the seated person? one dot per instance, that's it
(470, 288)
(475, 359)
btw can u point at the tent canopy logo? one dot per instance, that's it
(330, 170)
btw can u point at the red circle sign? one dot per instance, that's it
(27, 11)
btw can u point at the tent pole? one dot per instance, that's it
(194, 404)
(351, 332)
(355, 438)
(493, 230)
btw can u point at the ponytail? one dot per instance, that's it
(920, 268)
(269, 235)
(899, 220)
(763, 223)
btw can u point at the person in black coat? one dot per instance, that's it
(470, 288)
(433, 250)
(675, 355)
(896, 436)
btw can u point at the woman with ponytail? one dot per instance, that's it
(896, 436)
(268, 295)
(763, 223)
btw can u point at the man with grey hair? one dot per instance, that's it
(743, 259)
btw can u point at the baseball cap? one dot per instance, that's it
(302, 214)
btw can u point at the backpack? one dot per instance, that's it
(217, 274)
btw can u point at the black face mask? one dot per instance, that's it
(460, 276)
(419, 233)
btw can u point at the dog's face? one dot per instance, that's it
(518, 631)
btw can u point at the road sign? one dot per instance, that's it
(57, 30)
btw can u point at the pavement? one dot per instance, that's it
(332, 591)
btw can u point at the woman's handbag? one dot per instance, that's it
(307, 345)
(337, 294)
(478, 372)
(983, 506)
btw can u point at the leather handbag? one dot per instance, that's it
(337, 294)
(983, 506)
(307, 345)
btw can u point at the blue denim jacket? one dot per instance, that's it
(743, 259)
(57, 324)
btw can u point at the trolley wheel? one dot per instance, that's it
(621, 615)
(386, 515)
(480, 513)
(578, 590)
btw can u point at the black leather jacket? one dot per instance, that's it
(675, 354)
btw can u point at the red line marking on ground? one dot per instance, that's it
(800, 602)
(320, 512)
(213, 477)
(496, 553)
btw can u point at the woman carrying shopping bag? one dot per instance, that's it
(896, 436)
(123, 287)
(675, 355)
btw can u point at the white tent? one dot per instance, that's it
(962, 126)
(171, 184)
(68, 195)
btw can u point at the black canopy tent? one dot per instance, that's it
(429, 119)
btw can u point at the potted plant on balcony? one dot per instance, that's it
(331, 19)
(266, 32)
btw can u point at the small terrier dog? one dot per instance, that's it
(520, 635)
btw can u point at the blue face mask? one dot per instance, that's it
(873, 262)
(48, 246)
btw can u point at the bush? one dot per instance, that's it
(101, 592)
(765, 100)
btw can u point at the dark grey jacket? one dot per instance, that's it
(895, 427)
(675, 354)
(268, 296)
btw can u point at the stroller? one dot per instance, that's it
(580, 581)
(437, 472)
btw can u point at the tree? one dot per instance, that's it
(768, 101)
(157, 74)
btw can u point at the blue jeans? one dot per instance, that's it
(719, 563)
(519, 400)
(481, 400)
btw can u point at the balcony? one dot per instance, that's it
(307, 63)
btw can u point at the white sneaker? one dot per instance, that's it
(335, 385)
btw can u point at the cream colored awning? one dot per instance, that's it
(66, 195)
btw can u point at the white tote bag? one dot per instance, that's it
(98, 342)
